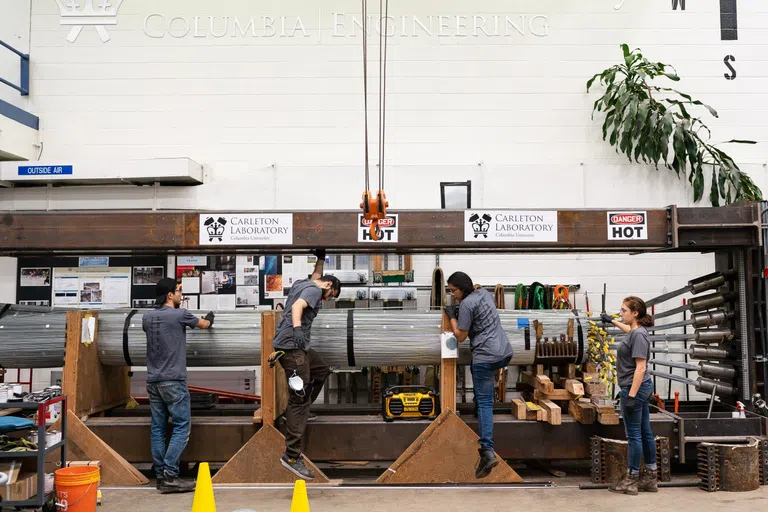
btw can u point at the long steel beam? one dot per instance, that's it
(691, 229)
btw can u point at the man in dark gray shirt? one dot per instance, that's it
(166, 328)
(304, 368)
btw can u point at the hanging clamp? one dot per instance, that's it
(374, 210)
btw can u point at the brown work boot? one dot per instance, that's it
(627, 485)
(647, 481)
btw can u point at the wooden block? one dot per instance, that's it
(588, 378)
(590, 368)
(83, 444)
(258, 462)
(567, 371)
(604, 409)
(575, 387)
(519, 411)
(581, 412)
(538, 382)
(557, 394)
(608, 419)
(90, 386)
(554, 415)
(446, 452)
(598, 389)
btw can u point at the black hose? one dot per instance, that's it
(683, 483)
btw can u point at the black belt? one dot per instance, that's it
(580, 337)
(127, 324)
(351, 338)
(527, 338)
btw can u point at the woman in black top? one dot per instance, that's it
(636, 390)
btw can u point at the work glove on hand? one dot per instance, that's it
(630, 403)
(606, 318)
(300, 338)
(210, 316)
(320, 253)
(452, 311)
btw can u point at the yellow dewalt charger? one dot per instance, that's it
(410, 403)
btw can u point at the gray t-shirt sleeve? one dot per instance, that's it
(144, 322)
(465, 316)
(312, 295)
(189, 319)
(640, 344)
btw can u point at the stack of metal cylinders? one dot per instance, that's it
(32, 337)
(35, 337)
(234, 340)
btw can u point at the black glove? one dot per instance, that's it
(320, 253)
(630, 403)
(300, 338)
(606, 318)
(210, 316)
(452, 311)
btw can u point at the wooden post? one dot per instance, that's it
(90, 387)
(447, 376)
(274, 388)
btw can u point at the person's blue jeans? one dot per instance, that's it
(169, 399)
(483, 384)
(637, 426)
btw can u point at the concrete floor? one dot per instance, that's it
(444, 499)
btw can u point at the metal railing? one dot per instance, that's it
(23, 88)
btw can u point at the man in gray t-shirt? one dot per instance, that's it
(166, 328)
(304, 368)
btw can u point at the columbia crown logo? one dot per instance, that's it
(77, 15)
(215, 228)
(480, 224)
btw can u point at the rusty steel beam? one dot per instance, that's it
(137, 232)
(217, 439)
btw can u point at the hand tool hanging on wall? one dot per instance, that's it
(560, 298)
(696, 286)
(375, 207)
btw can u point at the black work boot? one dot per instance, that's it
(486, 463)
(297, 467)
(159, 483)
(174, 484)
(627, 485)
(647, 481)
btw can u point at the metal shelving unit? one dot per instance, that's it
(41, 498)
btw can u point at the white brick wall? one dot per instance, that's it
(279, 119)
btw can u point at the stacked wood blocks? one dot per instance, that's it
(584, 397)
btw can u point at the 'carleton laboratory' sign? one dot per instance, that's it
(510, 226)
(246, 229)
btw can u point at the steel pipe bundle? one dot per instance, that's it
(32, 337)
(353, 337)
(234, 340)
(708, 370)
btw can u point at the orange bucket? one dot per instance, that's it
(76, 488)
